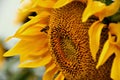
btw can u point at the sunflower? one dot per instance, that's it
(69, 38)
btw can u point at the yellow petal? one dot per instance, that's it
(115, 71)
(14, 51)
(29, 6)
(1, 55)
(61, 3)
(23, 11)
(42, 51)
(25, 4)
(109, 10)
(50, 74)
(23, 47)
(34, 3)
(46, 3)
(115, 29)
(50, 66)
(94, 37)
(21, 16)
(60, 76)
(107, 51)
(31, 28)
(100, 9)
(34, 55)
(43, 48)
(92, 8)
(37, 62)
(39, 18)
(42, 3)
(32, 33)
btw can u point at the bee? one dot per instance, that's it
(45, 29)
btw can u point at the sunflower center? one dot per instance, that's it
(63, 45)
(67, 46)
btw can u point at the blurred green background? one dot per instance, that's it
(10, 71)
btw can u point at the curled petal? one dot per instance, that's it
(92, 8)
(107, 51)
(115, 29)
(109, 10)
(100, 9)
(94, 37)
(115, 71)
(61, 3)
